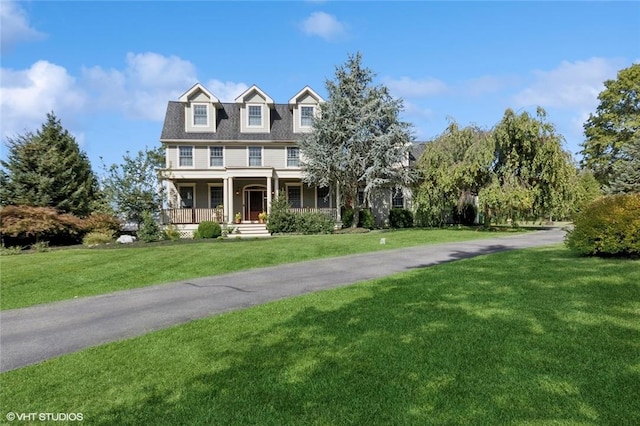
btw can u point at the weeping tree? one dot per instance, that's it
(48, 169)
(531, 174)
(455, 167)
(358, 142)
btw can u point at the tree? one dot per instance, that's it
(531, 173)
(455, 166)
(615, 125)
(357, 142)
(132, 188)
(48, 169)
(626, 172)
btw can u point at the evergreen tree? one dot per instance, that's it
(48, 169)
(358, 141)
(626, 172)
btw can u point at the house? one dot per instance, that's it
(228, 159)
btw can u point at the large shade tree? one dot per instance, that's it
(358, 143)
(48, 169)
(615, 124)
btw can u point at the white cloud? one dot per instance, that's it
(28, 95)
(143, 88)
(226, 91)
(570, 85)
(406, 87)
(14, 26)
(324, 25)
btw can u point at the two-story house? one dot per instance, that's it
(225, 160)
(228, 160)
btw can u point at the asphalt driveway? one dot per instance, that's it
(33, 334)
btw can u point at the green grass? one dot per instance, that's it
(523, 337)
(36, 278)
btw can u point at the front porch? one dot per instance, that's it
(193, 216)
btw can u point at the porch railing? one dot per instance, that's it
(185, 216)
(331, 213)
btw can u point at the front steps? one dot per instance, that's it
(249, 230)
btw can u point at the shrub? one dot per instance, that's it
(98, 237)
(23, 225)
(314, 223)
(610, 226)
(171, 233)
(400, 218)
(281, 219)
(102, 222)
(40, 247)
(208, 229)
(149, 229)
(10, 251)
(365, 219)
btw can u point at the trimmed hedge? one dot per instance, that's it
(365, 217)
(208, 229)
(610, 226)
(400, 218)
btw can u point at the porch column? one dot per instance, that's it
(338, 216)
(225, 198)
(277, 184)
(230, 207)
(268, 195)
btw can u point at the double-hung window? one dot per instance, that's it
(293, 156)
(186, 156)
(306, 116)
(216, 196)
(216, 156)
(255, 156)
(397, 202)
(255, 115)
(200, 115)
(294, 196)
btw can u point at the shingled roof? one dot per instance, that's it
(228, 125)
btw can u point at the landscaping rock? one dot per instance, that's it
(126, 239)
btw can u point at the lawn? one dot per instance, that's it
(535, 336)
(36, 278)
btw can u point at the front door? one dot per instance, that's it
(255, 203)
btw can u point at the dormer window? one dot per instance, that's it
(200, 116)
(255, 115)
(306, 116)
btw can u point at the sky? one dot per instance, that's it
(108, 69)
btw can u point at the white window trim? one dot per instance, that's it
(224, 156)
(287, 185)
(212, 185)
(193, 191)
(261, 155)
(255, 126)
(193, 157)
(286, 157)
(193, 114)
(313, 114)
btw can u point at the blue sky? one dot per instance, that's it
(108, 69)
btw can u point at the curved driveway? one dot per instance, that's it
(30, 335)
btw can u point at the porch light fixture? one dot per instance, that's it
(237, 192)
